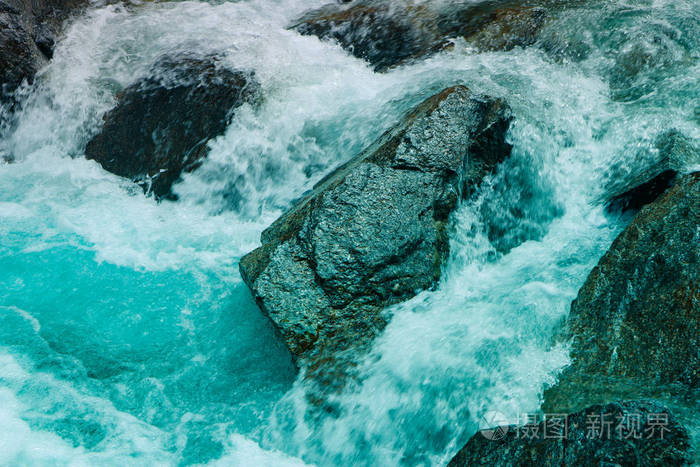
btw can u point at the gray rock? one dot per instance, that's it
(387, 34)
(20, 58)
(161, 124)
(635, 325)
(630, 433)
(372, 233)
(28, 32)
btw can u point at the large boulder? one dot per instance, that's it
(162, 123)
(390, 33)
(635, 325)
(28, 32)
(631, 433)
(373, 232)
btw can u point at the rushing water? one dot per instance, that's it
(126, 334)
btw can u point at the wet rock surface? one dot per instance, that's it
(373, 31)
(635, 324)
(644, 193)
(373, 232)
(506, 28)
(633, 191)
(630, 433)
(28, 32)
(387, 34)
(161, 124)
(20, 59)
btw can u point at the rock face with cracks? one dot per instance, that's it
(373, 232)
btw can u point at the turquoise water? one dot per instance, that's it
(127, 336)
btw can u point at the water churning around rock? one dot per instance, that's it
(127, 335)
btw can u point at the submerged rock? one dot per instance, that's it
(373, 31)
(373, 232)
(390, 33)
(638, 433)
(162, 123)
(492, 27)
(28, 31)
(635, 325)
(642, 61)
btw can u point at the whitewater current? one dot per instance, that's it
(127, 336)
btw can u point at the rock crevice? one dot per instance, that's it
(620, 433)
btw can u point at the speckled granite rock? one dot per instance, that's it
(372, 232)
(630, 433)
(635, 325)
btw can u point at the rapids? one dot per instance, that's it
(127, 336)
